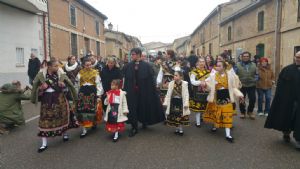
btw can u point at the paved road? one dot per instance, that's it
(155, 147)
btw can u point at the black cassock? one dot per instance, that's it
(285, 109)
(142, 98)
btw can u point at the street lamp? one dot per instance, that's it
(110, 26)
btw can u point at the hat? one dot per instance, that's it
(264, 59)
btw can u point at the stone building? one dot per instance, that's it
(76, 28)
(206, 37)
(250, 29)
(119, 44)
(289, 34)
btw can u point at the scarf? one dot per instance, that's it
(72, 67)
(111, 95)
(95, 64)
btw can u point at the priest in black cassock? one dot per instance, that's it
(285, 109)
(142, 97)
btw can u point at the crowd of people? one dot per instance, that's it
(166, 88)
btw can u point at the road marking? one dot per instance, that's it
(32, 118)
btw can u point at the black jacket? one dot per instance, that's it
(33, 67)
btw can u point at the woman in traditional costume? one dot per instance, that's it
(198, 100)
(222, 87)
(89, 95)
(72, 68)
(48, 87)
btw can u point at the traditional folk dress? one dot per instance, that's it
(176, 99)
(220, 109)
(90, 88)
(198, 100)
(164, 77)
(71, 72)
(117, 106)
(55, 115)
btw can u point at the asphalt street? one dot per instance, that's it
(156, 147)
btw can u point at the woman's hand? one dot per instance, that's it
(61, 84)
(44, 86)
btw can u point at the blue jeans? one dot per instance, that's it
(267, 93)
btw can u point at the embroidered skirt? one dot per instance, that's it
(220, 115)
(175, 118)
(54, 116)
(89, 112)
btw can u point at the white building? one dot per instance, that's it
(22, 32)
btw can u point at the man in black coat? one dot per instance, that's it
(142, 98)
(285, 109)
(34, 65)
(192, 59)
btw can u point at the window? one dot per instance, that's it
(97, 28)
(260, 50)
(261, 21)
(210, 49)
(296, 49)
(73, 15)
(74, 51)
(298, 10)
(229, 33)
(98, 48)
(20, 56)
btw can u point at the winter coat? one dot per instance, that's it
(285, 110)
(10, 106)
(123, 108)
(266, 77)
(108, 75)
(247, 74)
(185, 98)
(33, 67)
(41, 78)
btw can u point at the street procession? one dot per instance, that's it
(78, 92)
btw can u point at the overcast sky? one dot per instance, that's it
(155, 20)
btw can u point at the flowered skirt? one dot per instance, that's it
(89, 111)
(118, 127)
(55, 116)
(220, 115)
(175, 118)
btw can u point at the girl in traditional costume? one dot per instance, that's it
(117, 110)
(198, 100)
(222, 87)
(177, 103)
(90, 91)
(48, 86)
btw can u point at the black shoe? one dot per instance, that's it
(65, 138)
(82, 135)
(286, 138)
(133, 132)
(115, 139)
(180, 133)
(43, 148)
(94, 127)
(176, 132)
(213, 129)
(198, 125)
(229, 139)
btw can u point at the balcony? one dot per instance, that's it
(33, 6)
